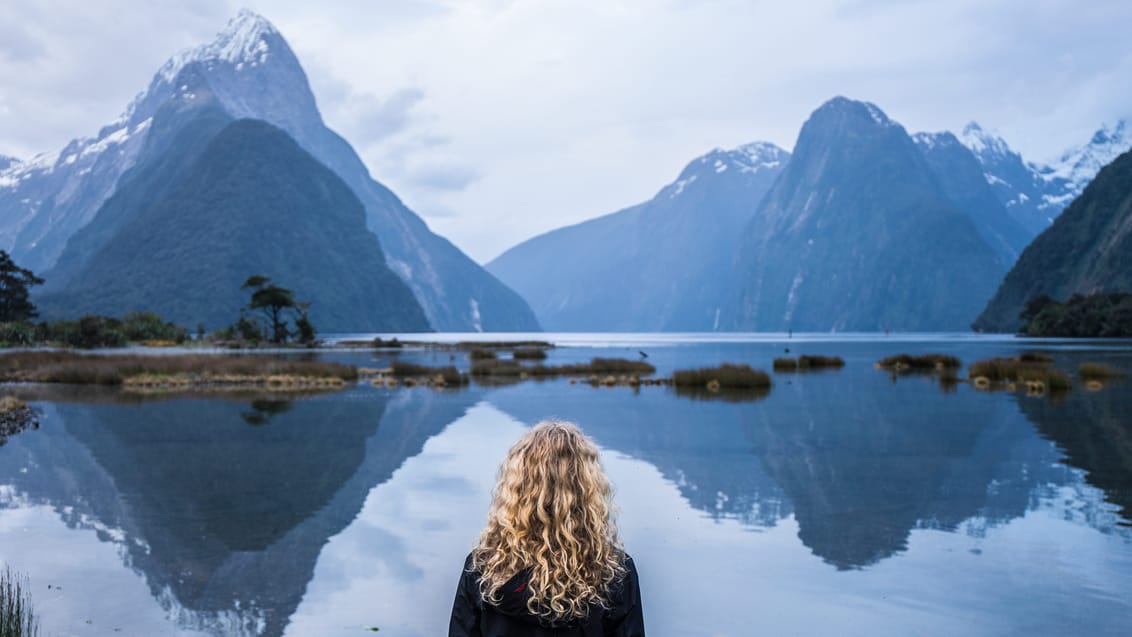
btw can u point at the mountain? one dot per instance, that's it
(1030, 193)
(857, 235)
(1078, 166)
(186, 236)
(662, 265)
(959, 174)
(1087, 249)
(251, 72)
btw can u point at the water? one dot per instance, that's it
(841, 503)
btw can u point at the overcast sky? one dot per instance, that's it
(497, 120)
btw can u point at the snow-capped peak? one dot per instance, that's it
(1080, 165)
(242, 41)
(983, 142)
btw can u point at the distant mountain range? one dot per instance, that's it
(867, 229)
(1088, 249)
(247, 72)
(661, 265)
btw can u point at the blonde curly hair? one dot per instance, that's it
(552, 513)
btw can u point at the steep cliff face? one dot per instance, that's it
(181, 241)
(857, 235)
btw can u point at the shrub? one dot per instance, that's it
(785, 365)
(529, 353)
(919, 362)
(1014, 370)
(808, 362)
(1035, 357)
(1098, 371)
(727, 375)
(481, 354)
(448, 373)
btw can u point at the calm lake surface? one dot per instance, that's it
(842, 503)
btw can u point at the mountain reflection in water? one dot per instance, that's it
(330, 514)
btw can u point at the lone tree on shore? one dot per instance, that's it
(14, 284)
(274, 302)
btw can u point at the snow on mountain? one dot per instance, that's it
(248, 71)
(1078, 166)
(749, 158)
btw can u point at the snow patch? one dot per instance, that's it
(720, 166)
(477, 324)
(242, 41)
(681, 185)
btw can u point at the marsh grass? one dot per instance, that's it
(17, 616)
(410, 374)
(726, 376)
(807, 362)
(1098, 372)
(115, 369)
(1037, 377)
(919, 363)
(529, 354)
(598, 366)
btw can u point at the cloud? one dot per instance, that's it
(518, 117)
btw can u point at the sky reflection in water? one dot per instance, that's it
(841, 503)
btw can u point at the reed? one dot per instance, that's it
(604, 366)
(114, 369)
(411, 373)
(1036, 376)
(727, 375)
(529, 354)
(808, 362)
(17, 615)
(1098, 372)
(919, 362)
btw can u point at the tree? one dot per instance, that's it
(307, 333)
(272, 300)
(14, 284)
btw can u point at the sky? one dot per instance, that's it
(497, 120)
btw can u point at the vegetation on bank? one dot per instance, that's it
(597, 366)
(17, 615)
(1037, 377)
(1101, 315)
(919, 363)
(807, 362)
(187, 370)
(1098, 372)
(725, 376)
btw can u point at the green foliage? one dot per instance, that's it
(147, 326)
(14, 284)
(1102, 315)
(190, 230)
(17, 334)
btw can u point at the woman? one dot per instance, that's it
(549, 561)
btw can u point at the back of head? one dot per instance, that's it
(551, 513)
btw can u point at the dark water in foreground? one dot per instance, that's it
(841, 503)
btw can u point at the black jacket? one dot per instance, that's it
(472, 617)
